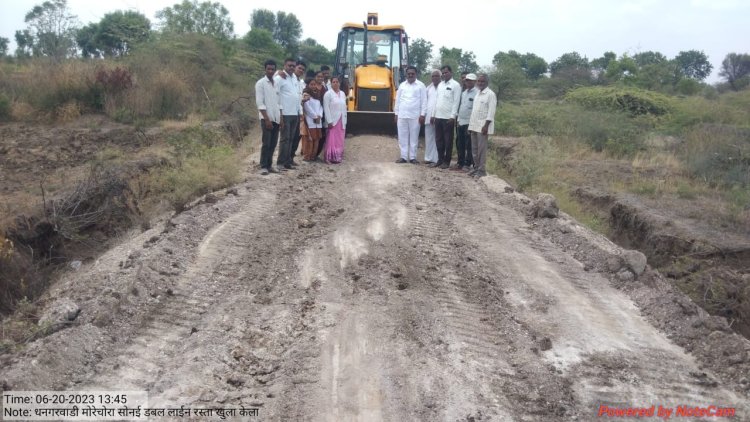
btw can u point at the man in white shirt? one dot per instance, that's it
(482, 124)
(430, 148)
(269, 112)
(326, 76)
(299, 73)
(291, 110)
(463, 140)
(446, 111)
(410, 109)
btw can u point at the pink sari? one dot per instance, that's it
(335, 143)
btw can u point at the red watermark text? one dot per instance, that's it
(666, 412)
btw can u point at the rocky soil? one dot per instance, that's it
(379, 291)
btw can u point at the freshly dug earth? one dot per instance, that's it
(689, 239)
(379, 291)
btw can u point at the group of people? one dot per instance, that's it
(446, 107)
(299, 106)
(296, 106)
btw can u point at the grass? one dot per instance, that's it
(175, 82)
(192, 162)
(689, 148)
(166, 78)
(533, 169)
(200, 161)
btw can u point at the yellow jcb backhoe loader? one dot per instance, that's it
(372, 60)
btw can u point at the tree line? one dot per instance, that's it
(649, 69)
(53, 31)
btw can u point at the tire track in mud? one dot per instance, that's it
(358, 375)
(475, 349)
(349, 367)
(151, 358)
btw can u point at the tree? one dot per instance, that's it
(315, 54)
(569, 63)
(508, 78)
(86, 39)
(120, 31)
(655, 76)
(601, 64)
(534, 66)
(735, 68)
(50, 31)
(114, 35)
(420, 54)
(261, 41)
(3, 46)
(263, 19)
(502, 57)
(622, 69)
(201, 18)
(24, 43)
(692, 64)
(287, 32)
(285, 28)
(646, 58)
(459, 60)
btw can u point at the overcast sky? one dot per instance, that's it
(548, 28)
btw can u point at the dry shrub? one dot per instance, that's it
(23, 112)
(19, 277)
(162, 95)
(6, 247)
(114, 82)
(102, 201)
(661, 160)
(47, 86)
(68, 112)
(203, 160)
(192, 120)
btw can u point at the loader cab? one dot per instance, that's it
(372, 60)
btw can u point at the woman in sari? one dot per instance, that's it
(334, 107)
(313, 109)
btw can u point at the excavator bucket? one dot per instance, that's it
(371, 123)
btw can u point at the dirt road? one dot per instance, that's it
(376, 291)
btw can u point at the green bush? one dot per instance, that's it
(203, 160)
(687, 86)
(633, 101)
(719, 155)
(613, 132)
(728, 109)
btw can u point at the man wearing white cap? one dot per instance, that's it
(463, 140)
(482, 124)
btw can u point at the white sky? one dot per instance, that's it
(548, 28)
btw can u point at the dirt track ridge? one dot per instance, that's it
(370, 291)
